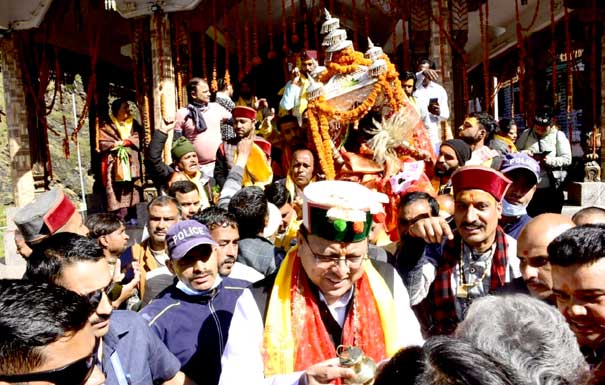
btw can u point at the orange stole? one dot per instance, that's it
(361, 327)
(295, 336)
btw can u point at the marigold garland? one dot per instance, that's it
(321, 154)
(324, 125)
(321, 113)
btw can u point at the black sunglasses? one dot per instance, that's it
(113, 291)
(75, 373)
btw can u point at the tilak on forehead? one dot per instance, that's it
(480, 178)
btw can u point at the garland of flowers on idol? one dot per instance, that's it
(320, 130)
(344, 63)
(320, 113)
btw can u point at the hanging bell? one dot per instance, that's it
(364, 367)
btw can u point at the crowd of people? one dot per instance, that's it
(253, 268)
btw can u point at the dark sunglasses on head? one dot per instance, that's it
(75, 373)
(113, 291)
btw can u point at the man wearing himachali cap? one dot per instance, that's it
(257, 168)
(475, 260)
(51, 212)
(326, 293)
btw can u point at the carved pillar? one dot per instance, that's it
(162, 68)
(440, 50)
(459, 27)
(420, 30)
(17, 120)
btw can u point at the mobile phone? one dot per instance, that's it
(433, 101)
(542, 154)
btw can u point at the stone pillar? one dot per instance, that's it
(17, 118)
(162, 67)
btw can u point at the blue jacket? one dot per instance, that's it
(140, 356)
(195, 328)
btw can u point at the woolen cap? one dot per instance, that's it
(181, 147)
(243, 112)
(480, 178)
(184, 236)
(44, 216)
(461, 148)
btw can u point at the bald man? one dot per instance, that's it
(531, 251)
(589, 215)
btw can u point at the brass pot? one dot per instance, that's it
(364, 367)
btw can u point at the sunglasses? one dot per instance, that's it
(75, 373)
(113, 291)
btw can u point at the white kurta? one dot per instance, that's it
(242, 361)
(423, 96)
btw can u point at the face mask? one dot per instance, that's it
(511, 210)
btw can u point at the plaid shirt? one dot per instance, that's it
(444, 314)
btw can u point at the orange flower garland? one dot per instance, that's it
(321, 113)
(319, 143)
(324, 125)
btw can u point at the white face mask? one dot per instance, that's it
(511, 210)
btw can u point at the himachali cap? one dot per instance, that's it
(523, 161)
(339, 210)
(44, 216)
(243, 112)
(184, 236)
(309, 54)
(480, 178)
